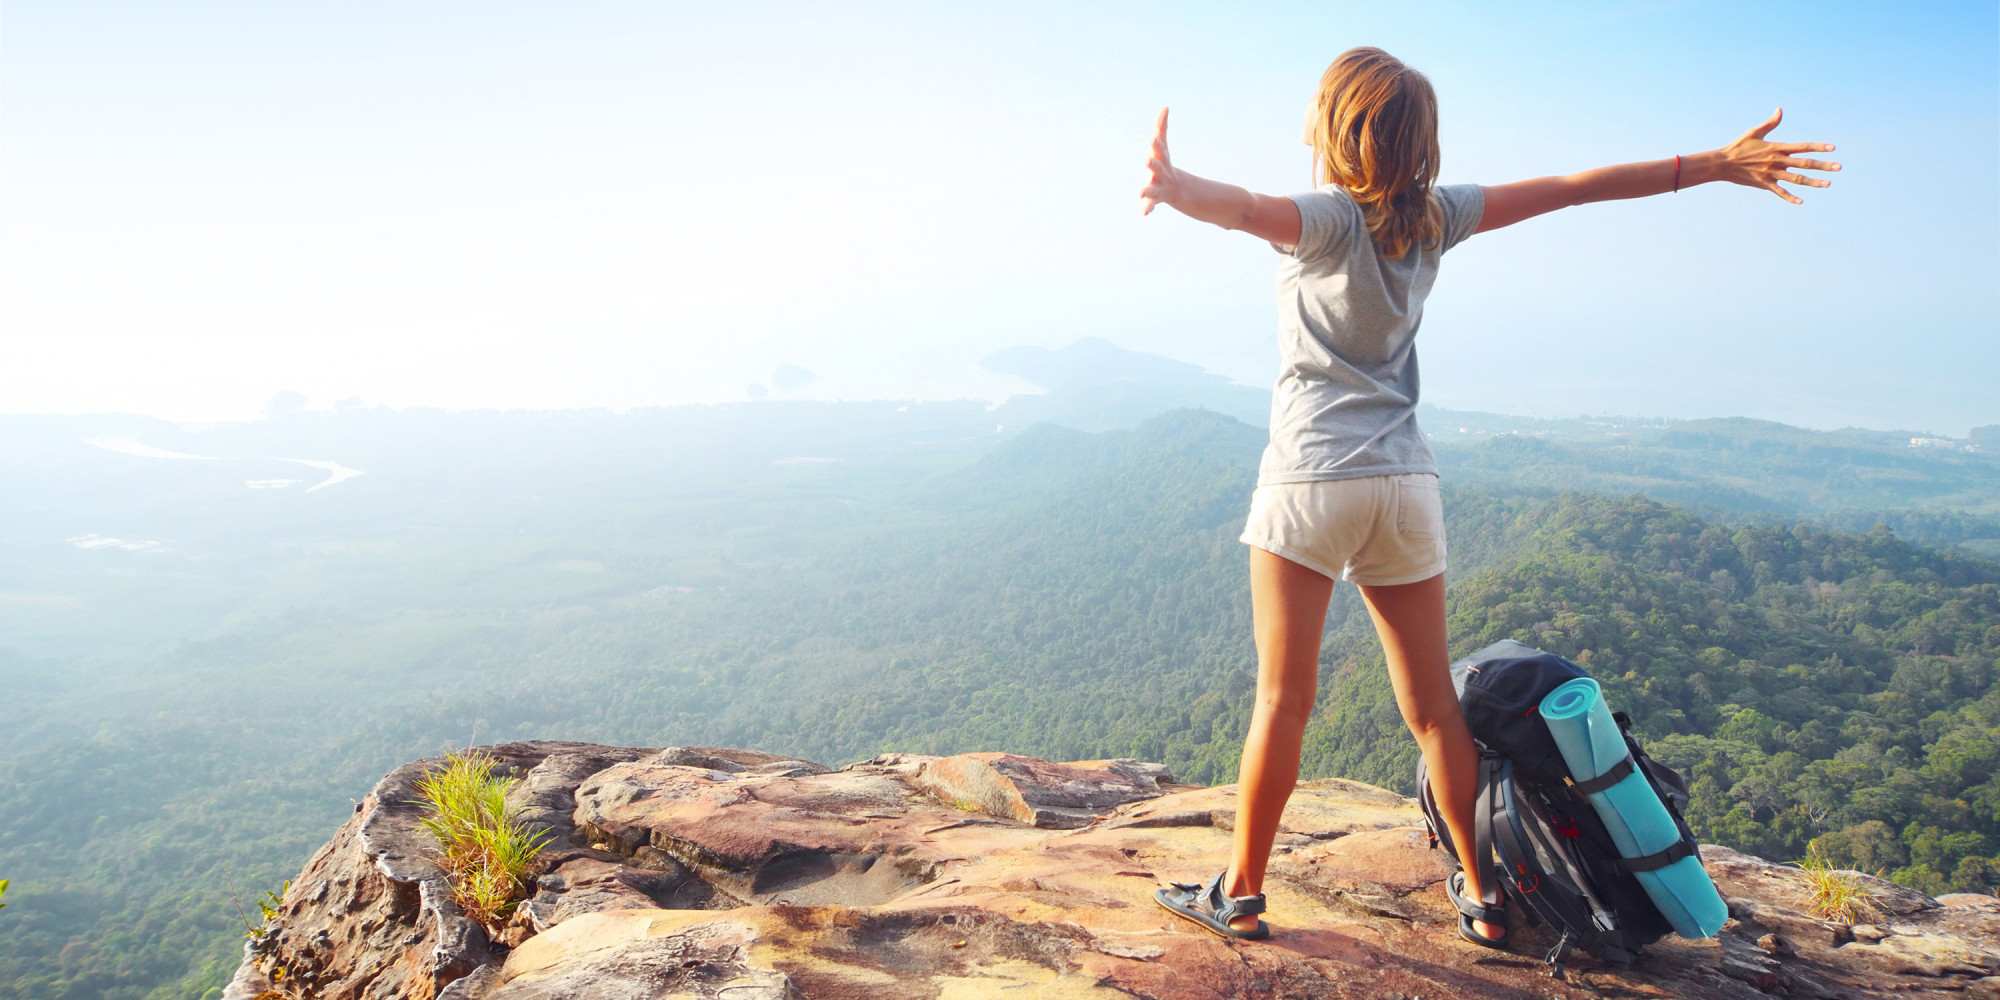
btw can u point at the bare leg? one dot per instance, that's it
(1410, 621)
(1288, 607)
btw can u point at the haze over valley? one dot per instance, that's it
(215, 638)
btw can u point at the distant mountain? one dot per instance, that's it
(1094, 385)
(1726, 467)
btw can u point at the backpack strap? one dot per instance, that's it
(1554, 907)
(1671, 784)
(1513, 846)
(1603, 782)
(1485, 801)
(1433, 822)
(1656, 861)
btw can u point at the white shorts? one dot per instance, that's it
(1377, 531)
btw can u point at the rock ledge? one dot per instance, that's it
(708, 872)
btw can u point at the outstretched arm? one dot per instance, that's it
(1750, 161)
(1263, 216)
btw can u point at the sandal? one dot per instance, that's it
(1207, 906)
(1470, 910)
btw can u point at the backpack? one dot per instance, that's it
(1543, 843)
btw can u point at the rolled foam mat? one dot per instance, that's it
(1639, 823)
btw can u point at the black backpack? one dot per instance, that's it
(1542, 841)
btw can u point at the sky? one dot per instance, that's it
(602, 204)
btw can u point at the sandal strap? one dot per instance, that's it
(1475, 910)
(1227, 908)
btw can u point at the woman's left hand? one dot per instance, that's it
(1754, 162)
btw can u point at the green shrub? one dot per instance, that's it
(1922, 878)
(1975, 875)
(1835, 894)
(485, 853)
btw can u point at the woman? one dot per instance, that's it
(1348, 487)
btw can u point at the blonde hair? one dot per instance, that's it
(1374, 133)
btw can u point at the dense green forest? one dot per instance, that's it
(1055, 593)
(1816, 684)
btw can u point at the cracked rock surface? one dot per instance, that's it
(706, 872)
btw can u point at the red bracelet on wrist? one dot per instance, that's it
(1677, 173)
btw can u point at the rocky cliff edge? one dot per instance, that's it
(715, 873)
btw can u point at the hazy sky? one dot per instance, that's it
(506, 204)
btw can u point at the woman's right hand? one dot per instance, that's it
(1273, 220)
(1754, 162)
(1163, 182)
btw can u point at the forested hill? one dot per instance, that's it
(1817, 684)
(1064, 595)
(1739, 468)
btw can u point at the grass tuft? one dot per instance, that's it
(485, 853)
(1835, 893)
(269, 906)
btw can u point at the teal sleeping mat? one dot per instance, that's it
(1639, 823)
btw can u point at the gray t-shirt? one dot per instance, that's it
(1346, 400)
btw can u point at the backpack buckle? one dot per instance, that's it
(1525, 880)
